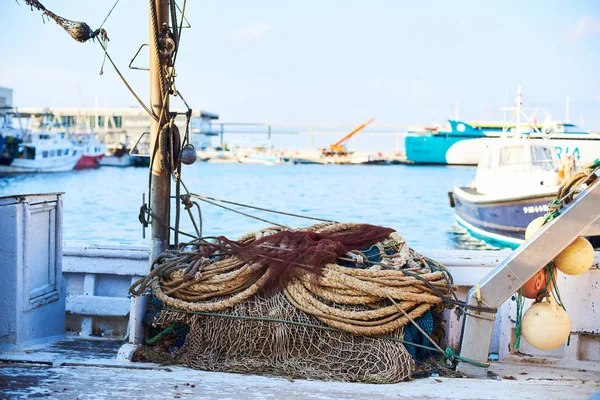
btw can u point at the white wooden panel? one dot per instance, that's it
(98, 306)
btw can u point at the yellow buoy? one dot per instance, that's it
(577, 258)
(534, 226)
(546, 326)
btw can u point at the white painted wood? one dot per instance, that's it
(98, 306)
(105, 265)
(32, 301)
(138, 307)
(89, 286)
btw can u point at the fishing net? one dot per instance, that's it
(79, 31)
(230, 306)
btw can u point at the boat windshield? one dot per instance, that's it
(541, 157)
(517, 157)
(512, 155)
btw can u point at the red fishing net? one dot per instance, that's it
(286, 252)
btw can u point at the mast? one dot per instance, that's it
(518, 111)
(161, 182)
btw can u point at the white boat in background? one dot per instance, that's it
(515, 180)
(42, 152)
(461, 143)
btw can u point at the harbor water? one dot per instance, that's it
(102, 205)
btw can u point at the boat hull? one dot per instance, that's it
(89, 161)
(27, 166)
(125, 160)
(502, 222)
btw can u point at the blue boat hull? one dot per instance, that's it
(503, 222)
(429, 149)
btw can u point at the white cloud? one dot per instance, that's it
(243, 36)
(587, 26)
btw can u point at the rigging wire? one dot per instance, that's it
(241, 212)
(180, 29)
(110, 12)
(205, 198)
(150, 112)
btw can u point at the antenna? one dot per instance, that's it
(518, 109)
(505, 105)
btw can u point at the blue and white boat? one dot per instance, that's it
(462, 143)
(515, 180)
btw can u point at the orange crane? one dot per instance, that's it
(339, 147)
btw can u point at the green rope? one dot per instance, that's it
(556, 293)
(549, 269)
(452, 357)
(179, 330)
(447, 355)
(519, 320)
(550, 215)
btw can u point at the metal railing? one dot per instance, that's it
(267, 130)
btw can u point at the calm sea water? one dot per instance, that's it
(102, 205)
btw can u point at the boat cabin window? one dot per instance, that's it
(27, 152)
(511, 155)
(66, 152)
(542, 157)
(59, 152)
(52, 153)
(45, 154)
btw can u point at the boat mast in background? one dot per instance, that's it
(518, 106)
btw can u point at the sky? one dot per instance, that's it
(326, 61)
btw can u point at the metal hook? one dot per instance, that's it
(135, 56)
(131, 153)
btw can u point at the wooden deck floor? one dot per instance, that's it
(77, 369)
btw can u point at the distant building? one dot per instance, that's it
(6, 97)
(120, 125)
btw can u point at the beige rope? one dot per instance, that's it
(369, 301)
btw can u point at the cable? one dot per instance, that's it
(110, 12)
(204, 198)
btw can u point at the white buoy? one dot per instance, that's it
(546, 325)
(534, 226)
(577, 258)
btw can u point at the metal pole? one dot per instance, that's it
(161, 181)
(160, 188)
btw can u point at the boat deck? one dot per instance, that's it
(89, 369)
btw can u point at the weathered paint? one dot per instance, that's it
(32, 304)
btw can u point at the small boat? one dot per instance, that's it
(91, 148)
(40, 152)
(266, 158)
(515, 180)
(118, 153)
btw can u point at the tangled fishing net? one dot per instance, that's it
(78, 30)
(345, 302)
